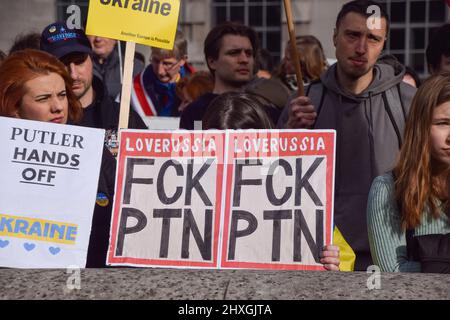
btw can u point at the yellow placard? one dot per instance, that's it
(149, 22)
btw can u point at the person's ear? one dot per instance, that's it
(183, 60)
(430, 68)
(335, 36)
(211, 63)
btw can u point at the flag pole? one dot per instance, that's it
(126, 85)
(294, 53)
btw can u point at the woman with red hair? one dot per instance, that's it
(35, 85)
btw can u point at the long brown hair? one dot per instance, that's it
(312, 58)
(25, 65)
(415, 187)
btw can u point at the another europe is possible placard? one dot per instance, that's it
(47, 192)
(148, 22)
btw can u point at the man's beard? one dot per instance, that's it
(81, 94)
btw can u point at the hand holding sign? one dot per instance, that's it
(329, 257)
(302, 113)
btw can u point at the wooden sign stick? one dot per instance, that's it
(294, 54)
(126, 85)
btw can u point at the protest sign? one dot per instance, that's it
(149, 22)
(276, 210)
(279, 196)
(168, 199)
(47, 192)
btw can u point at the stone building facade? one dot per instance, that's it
(413, 21)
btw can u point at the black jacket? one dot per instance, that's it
(101, 220)
(196, 110)
(103, 112)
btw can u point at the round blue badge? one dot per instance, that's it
(102, 199)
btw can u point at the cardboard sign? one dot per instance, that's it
(149, 22)
(168, 199)
(276, 211)
(279, 196)
(162, 123)
(47, 192)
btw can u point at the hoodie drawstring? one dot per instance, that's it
(369, 119)
(391, 117)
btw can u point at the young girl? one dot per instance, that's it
(416, 195)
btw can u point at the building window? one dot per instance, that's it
(412, 25)
(61, 9)
(264, 16)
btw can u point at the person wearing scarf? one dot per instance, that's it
(154, 89)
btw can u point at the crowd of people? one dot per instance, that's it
(392, 181)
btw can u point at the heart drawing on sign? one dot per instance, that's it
(3, 243)
(54, 250)
(29, 246)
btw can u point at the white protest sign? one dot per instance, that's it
(168, 197)
(47, 192)
(279, 199)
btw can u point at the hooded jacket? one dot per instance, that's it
(369, 132)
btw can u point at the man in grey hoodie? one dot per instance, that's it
(366, 102)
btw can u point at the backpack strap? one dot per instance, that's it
(395, 110)
(315, 97)
(409, 243)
